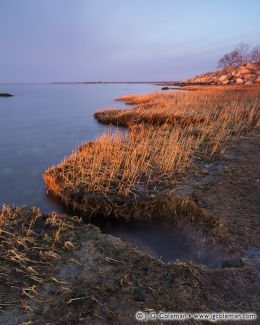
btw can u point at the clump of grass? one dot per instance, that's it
(167, 133)
(30, 246)
(116, 167)
(206, 105)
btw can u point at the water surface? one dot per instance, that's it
(40, 125)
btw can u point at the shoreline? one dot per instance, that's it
(81, 273)
(126, 274)
(133, 207)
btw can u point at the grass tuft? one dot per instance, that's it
(30, 246)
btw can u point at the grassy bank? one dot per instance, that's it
(57, 270)
(62, 271)
(206, 105)
(168, 134)
(30, 249)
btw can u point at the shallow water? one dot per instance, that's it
(169, 243)
(43, 123)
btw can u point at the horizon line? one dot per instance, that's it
(85, 82)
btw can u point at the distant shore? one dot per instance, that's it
(114, 82)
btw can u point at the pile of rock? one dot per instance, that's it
(247, 73)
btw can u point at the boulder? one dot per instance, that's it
(239, 81)
(252, 66)
(223, 77)
(225, 82)
(244, 70)
(249, 76)
(230, 75)
(238, 74)
(250, 82)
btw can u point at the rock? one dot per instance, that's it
(223, 77)
(230, 75)
(165, 88)
(250, 82)
(251, 66)
(5, 95)
(244, 70)
(226, 82)
(239, 81)
(238, 74)
(249, 76)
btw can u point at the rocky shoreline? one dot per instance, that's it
(247, 74)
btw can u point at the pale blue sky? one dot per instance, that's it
(117, 40)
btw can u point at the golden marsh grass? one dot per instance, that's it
(167, 133)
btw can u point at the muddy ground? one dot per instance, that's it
(103, 280)
(229, 187)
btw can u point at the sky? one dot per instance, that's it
(120, 40)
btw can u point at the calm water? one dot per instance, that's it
(43, 123)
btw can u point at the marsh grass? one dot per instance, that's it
(207, 105)
(123, 166)
(30, 250)
(167, 133)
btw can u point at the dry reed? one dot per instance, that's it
(30, 249)
(167, 132)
